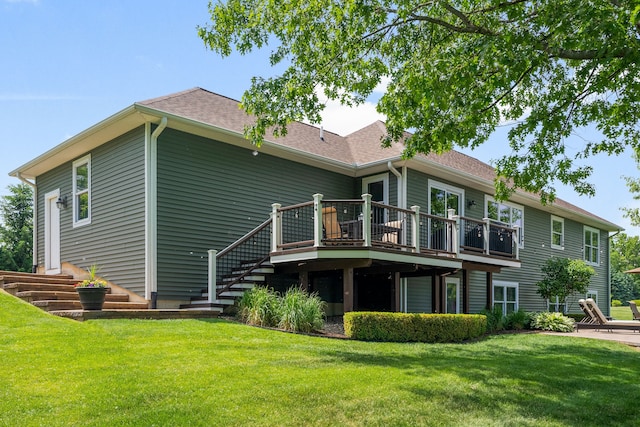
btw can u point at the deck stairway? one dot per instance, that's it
(56, 294)
(244, 277)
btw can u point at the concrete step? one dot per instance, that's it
(55, 305)
(31, 296)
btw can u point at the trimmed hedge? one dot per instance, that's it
(404, 327)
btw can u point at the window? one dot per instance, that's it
(556, 305)
(443, 197)
(507, 213)
(505, 296)
(557, 232)
(82, 191)
(593, 295)
(591, 245)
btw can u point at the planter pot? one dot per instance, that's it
(92, 298)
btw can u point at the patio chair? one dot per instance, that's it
(589, 317)
(391, 231)
(634, 310)
(603, 323)
(332, 229)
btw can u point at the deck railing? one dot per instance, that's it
(362, 222)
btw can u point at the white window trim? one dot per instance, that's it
(384, 177)
(560, 220)
(86, 159)
(456, 282)
(448, 188)
(488, 199)
(590, 293)
(584, 245)
(503, 283)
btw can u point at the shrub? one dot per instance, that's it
(575, 316)
(295, 311)
(403, 327)
(517, 320)
(301, 311)
(495, 320)
(616, 303)
(552, 322)
(259, 306)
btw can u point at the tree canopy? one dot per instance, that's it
(456, 70)
(16, 228)
(563, 277)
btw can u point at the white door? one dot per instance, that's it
(52, 233)
(453, 295)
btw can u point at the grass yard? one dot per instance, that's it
(621, 313)
(58, 372)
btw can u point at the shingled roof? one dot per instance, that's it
(357, 149)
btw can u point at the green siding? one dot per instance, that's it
(211, 193)
(419, 291)
(115, 238)
(537, 248)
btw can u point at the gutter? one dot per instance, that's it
(34, 220)
(151, 212)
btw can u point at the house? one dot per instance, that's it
(176, 206)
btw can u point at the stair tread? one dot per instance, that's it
(51, 305)
(10, 278)
(26, 286)
(65, 295)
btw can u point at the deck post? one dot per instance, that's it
(366, 219)
(211, 283)
(486, 230)
(516, 240)
(317, 219)
(276, 227)
(455, 231)
(415, 228)
(347, 290)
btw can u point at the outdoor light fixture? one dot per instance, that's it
(471, 203)
(61, 203)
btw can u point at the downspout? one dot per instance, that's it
(609, 270)
(34, 220)
(151, 210)
(401, 198)
(401, 204)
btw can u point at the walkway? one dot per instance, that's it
(626, 337)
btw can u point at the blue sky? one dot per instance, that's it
(66, 65)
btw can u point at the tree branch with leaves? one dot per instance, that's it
(457, 70)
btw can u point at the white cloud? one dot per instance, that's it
(345, 120)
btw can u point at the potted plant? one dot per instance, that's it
(92, 291)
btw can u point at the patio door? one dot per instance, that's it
(378, 187)
(453, 295)
(51, 233)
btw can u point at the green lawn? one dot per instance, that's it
(621, 313)
(58, 372)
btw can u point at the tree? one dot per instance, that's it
(625, 255)
(564, 277)
(623, 287)
(456, 70)
(16, 230)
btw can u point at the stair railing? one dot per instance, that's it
(253, 246)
